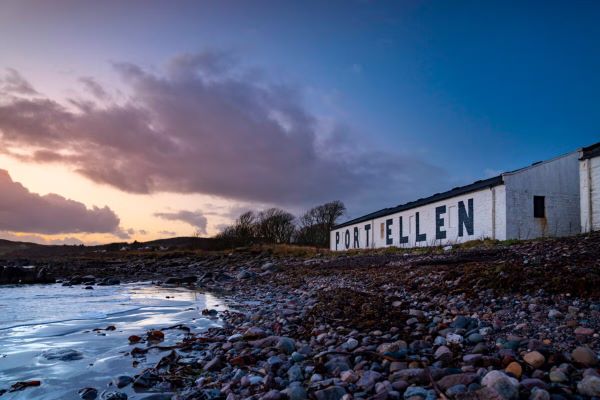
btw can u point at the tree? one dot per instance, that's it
(275, 226)
(317, 222)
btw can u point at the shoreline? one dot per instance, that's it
(519, 321)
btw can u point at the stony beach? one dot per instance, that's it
(481, 321)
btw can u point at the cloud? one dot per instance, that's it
(23, 211)
(14, 83)
(205, 125)
(94, 88)
(194, 218)
(29, 238)
(167, 233)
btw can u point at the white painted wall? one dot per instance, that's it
(589, 177)
(486, 204)
(558, 181)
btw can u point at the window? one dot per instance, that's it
(539, 207)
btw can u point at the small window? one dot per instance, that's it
(539, 207)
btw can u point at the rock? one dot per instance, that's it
(539, 394)
(113, 396)
(531, 383)
(122, 381)
(455, 390)
(367, 380)
(502, 384)
(156, 336)
(443, 353)
(348, 376)
(554, 314)
(589, 386)
(417, 392)
(453, 338)
(410, 375)
(295, 373)
(471, 359)
(475, 338)
(392, 347)
(336, 365)
(535, 359)
(88, 393)
(460, 322)
(244, 274)
(181, 281)
(254, 333)
(62, 354)
(109, 282)
(331, 393)
(515, 369)
(351, 344)
(295, 391)
(146, 379)
(449, 381)
(25, 275)
(216, 364)
(558, 376)
(584, 356)
(235, 337)
(134, 339)
(286, 345)
(272, 395)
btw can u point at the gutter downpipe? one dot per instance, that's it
(493, 188)
(589, 195)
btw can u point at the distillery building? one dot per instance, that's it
(540, 200)
(589, 176)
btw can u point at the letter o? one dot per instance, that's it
(347, 238)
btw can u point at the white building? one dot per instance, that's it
(540, 200)
(589, 176)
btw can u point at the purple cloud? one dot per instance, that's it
(202, 126)
(23, 211)
(194, 218)
(14, 83)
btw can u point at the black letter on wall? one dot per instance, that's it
(337, 239)
(420, 237)
(388, 231)
(403, 239)
(439, 222)
(367, 229)
(465, 219)
(347, 239)
(356, 244)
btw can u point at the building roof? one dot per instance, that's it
(590, 151)
(457, 191)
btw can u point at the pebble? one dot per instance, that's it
(88, 393)
(453, 338)
(515, 369)
(584, 356)
(535, 359)
(589, 386)
(331, 393)
(506, 387)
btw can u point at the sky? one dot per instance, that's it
(139, 120)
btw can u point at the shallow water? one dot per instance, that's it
(37, 318)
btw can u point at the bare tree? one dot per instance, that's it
(275, 225)
(317, 222)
